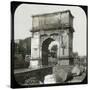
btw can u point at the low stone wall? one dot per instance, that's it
(32, 77)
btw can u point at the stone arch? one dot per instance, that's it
(45, 51)
(61, 32)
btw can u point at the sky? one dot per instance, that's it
(23, 22)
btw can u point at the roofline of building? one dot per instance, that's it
(37, 15)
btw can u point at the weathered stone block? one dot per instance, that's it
(49, 79)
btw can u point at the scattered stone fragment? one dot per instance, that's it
(76, 71)
(49, 79)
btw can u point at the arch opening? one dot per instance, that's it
(49, 52)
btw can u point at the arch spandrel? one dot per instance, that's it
(53, 36)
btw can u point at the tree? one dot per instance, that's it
(54, 51)
(54, 48)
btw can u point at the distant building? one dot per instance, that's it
(17, 41)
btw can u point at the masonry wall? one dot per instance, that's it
(35, 46)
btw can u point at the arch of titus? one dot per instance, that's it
(49, 27)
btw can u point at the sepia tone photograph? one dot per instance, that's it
(48, 44)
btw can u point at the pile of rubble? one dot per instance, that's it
(63, 74)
